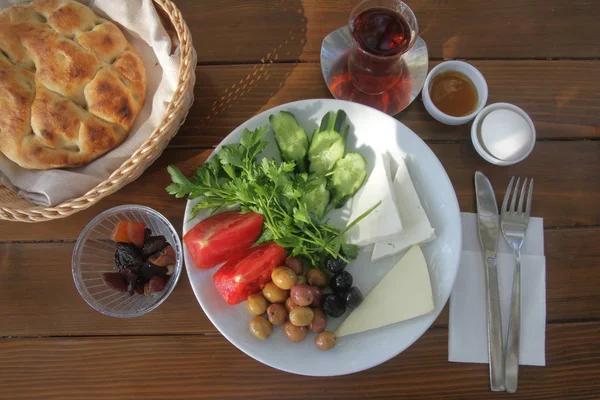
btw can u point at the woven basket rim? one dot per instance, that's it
(147, 153)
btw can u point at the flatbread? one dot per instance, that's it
(71, 85)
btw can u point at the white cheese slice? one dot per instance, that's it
(404, 293)
(416, 228)
(384, 222)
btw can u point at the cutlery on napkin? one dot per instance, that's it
(467, 336)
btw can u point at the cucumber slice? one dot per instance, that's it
(335, 122)
(328, 143)
(291, 139)
(348, 176)
(326, 148)
(316, 196)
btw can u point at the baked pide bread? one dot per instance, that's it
(71, 85)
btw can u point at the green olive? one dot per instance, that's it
(290, 305)
(260, 327)
(274, 294)
(293, 332)
(319, 321)
(277, 314)
(283, 277)
(301, 316)
(316, 277)
(257, 304)
(325, 341)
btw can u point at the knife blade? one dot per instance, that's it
(488, 222)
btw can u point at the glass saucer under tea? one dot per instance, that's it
(335, 52)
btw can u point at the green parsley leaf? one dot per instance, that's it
(231, 154)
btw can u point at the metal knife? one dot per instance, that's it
(488, 222)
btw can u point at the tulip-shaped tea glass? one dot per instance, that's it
(382, 31)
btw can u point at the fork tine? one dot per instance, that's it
(507, 195)
(522, 197)
(529, 197)
(513, 201)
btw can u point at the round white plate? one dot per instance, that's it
(371, 131)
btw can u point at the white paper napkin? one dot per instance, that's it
(142, 26)
(467, 336)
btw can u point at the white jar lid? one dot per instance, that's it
(503, 134)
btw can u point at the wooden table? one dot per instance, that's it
(541, 55)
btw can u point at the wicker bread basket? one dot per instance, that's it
(15, 208)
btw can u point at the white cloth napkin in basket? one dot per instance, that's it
(142, 26)
(467, 331)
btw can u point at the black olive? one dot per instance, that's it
(341, 282)
(333, 305)
(335, 265)
(148, 270)
(152, 245)
(353, 297)
(127, 254)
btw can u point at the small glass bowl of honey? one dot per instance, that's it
(454, 92)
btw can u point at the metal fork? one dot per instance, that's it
(513, 222)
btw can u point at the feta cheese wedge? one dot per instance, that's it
(415, 224)
(404, 293)
(384, 222)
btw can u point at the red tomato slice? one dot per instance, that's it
(220, 237)
(248, 273)
(130, 232)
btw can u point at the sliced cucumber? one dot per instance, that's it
(348, 176)
(326, 148)
(335, 122)
(328, 143)
(291, 139)
(316, 196)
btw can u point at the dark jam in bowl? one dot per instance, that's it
(381, 32)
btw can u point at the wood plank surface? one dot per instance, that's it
(39, 276)
(562, 98)
(208, 367)
(562, 199)
(541, 55)
(240, 31)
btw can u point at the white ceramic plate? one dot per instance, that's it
(371, 131)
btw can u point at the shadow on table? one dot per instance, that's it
(286, 37)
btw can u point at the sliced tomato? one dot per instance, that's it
(248, 273)
(130, 232)
(221, 236)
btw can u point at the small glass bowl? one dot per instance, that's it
(94, 254)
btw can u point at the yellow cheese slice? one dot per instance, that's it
(404, 293)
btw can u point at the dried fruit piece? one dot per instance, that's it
(157, 284)
(163, 258)
(129, 232)
(131, 278)
(153, 244)
(149, 270)
(127, 255)
(131, 285)
(140, 286)
(115, 280)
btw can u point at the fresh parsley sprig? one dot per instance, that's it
(237, 176)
